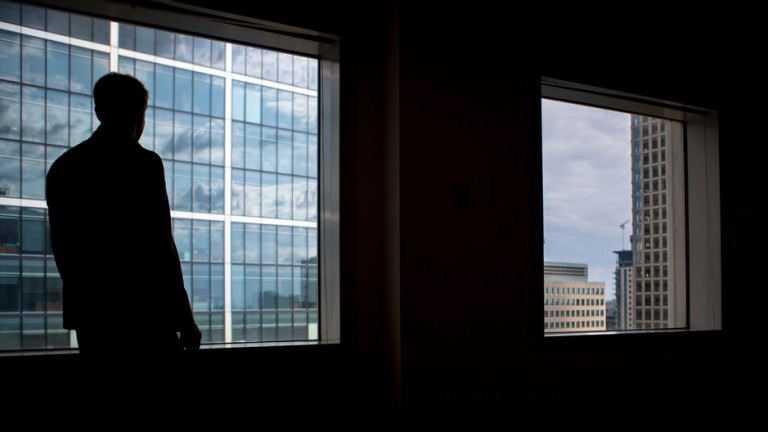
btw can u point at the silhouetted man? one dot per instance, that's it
(111, 235)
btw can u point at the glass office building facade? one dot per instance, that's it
(237, 129)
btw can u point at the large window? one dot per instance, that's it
(242, 131)
(621, 176)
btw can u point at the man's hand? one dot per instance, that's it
(190, 338)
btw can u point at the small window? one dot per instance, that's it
(647, 182)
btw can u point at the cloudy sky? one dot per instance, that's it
(587, 186)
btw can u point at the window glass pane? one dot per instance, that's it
(284, 325)
(101, 31)
(253, 62)
(182, 235)
(164, 44)
(10, 173)
(10, 13)
(145, 40)
(238, 192)
(10, 56)
(33, 285)
(284, 245)
(10, 292)
(100, 66)
(269, 106)
(218, 54)
(202, 54)
(164, 133)
(33, 17)
(268, 244)
(217, 96)
(57, 22)
(182, 186)
(285, 109)
(33, 60)
(252, 147)
(58, 65)
(33, 231)
(184, 47)
(81, 71)
(238, 287)
(284, 152)
(238, 243)
(238, 59)
(164, 86)
(300, 154)
(57, 118)
(238, 145)
(269, 149)
(127, 36)
(182, 136)
(145, 72)
(299, 198)
(10, 104)
(268, 289)
(284, 196)
(253, 103)
(253, 193)
(312, 79)
(126, 66)
(312, 114)
(299, 290)
(201, 287)
(238, 100)
(202, 139)
(33, 171)
(182, 90)
(202, 93)
(217, 190)
(269, 65)
(312, 200)
(269, 195)
(300, 71)
(217, 242)
(300, 112)
(253, 243)
(217, 142)
(253, 283)
(285, 68)
(201, 200)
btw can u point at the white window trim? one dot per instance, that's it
(700, 230)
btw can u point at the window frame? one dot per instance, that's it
(248, 31)
(701, 182)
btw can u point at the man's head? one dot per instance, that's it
(120, 103)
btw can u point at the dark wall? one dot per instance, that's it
(442, 227)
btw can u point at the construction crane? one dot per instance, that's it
(622, 226)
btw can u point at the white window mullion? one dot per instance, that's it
(114, 43)
(228, 196)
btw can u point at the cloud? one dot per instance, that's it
(587, 184)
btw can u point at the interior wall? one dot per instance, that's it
(456, 310)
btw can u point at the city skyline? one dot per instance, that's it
(586, 160)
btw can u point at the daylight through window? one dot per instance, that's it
(237, 128)
(613, 194)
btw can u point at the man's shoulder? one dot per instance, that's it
(71, 157)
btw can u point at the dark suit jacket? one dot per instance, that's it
(112, 239)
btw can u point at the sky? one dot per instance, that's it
(587, 186)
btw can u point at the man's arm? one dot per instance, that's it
(184, 320)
